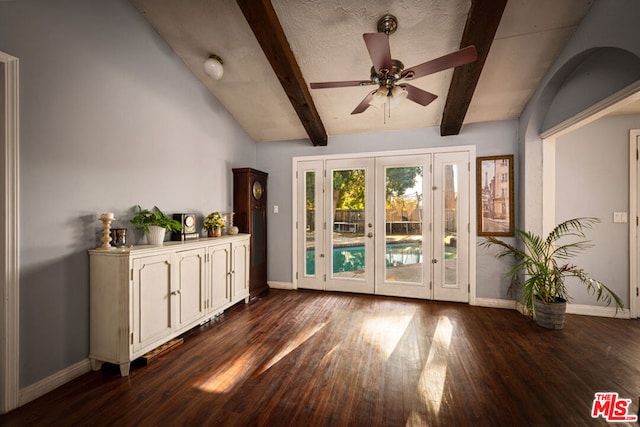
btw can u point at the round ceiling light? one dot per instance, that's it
(213, 67)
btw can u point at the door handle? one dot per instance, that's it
(370, 234)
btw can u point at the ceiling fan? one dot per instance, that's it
(389, 74)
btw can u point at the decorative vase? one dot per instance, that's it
(155, 236)
(550, 315)
(232, 229)
(215, 232)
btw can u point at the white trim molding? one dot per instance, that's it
(634, 242)
(495, 303)
(280, 285)
(623, 97)
(599, 311)
(587, 310)
(54, 381)
(9, 237)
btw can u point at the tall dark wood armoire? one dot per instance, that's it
(250, 207)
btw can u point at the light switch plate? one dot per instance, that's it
(620, 217)
(275, 208)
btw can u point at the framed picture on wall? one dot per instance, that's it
(495, 195)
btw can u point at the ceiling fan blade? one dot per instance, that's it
(349, 83)
(419, 96)
(364, 104)
(379, 50)
(454, 59)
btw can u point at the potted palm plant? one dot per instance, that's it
(155, 224)
(543, 264)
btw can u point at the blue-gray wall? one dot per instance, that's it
(592, 183)
(110, 117)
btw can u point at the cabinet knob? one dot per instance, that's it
(175, 292)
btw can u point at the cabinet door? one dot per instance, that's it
(219, 272)
(152, 302)
(191, 287)
(240, 270)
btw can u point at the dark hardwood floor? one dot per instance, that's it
(309, 358)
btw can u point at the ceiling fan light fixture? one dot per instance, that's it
(398, 94)
(380, 97)
(213, 67)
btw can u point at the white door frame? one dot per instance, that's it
(634, 241)
(9, 238)
(471, 149)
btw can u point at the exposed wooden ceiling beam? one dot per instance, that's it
(480, 29)
(265, 25)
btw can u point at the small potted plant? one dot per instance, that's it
(213, 223)
(155, 224)
(542, 264)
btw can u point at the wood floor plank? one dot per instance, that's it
(324, 359)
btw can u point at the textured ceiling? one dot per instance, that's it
(326, 39)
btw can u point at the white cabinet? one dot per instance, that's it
(142, 297)
(228, 269)
(191, 290)
(153, 312)
(240, 270)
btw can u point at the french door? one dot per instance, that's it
(388, 225)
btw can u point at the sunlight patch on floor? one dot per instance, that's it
(303, 336)
(229, 375)
(434, 373)
(384, 330)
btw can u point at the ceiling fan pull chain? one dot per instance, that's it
(384, 113)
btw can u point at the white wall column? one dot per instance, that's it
(548, 185)
(9, 234)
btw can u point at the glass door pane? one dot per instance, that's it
(449, 243)
(401, 210)
(403, 225)
(451, 227)
(309, 223)
(350, 230)
(310, 238)
(348, 223)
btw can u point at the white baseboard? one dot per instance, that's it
(600, 311)
(44, 386)
(581, 309)
(281, 285)
(495, 303)
(589, 310)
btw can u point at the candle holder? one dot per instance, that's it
(231, 229)
(106, 219)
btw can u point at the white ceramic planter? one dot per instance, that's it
(155, 236)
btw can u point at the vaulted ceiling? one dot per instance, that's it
(272, 50)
